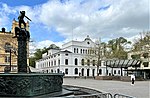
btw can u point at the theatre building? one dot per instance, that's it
(73, 60)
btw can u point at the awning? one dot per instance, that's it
(122, 63)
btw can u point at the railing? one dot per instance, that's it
(99, 95)
(122, 96)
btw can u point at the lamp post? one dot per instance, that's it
(10, 60)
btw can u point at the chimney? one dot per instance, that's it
(3, 30)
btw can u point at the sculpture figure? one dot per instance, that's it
(19, 30)
(21, 19)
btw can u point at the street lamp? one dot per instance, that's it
(10, 49)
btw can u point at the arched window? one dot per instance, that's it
(66, 61)
(81, 51)
(76, 71)
(7, 47)
(51, 63)
(82, 62)
(77, 50)
(76, 61)
(74, 50)
(88, 62)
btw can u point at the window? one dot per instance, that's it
(66, 61)
(58, 62)
(88, 62)
(66, 71)
(88, 42)
(118, 71)
(114, 71)
(82, 62)
(7, 59)
(100, 71)
(7, 47)
(76, 70)
(66, 54)
(51, 63)
(54, 62)
(74, 50)
(93, 62)
(76, 61)
(145, 64)
(81, 51)
(77, 50)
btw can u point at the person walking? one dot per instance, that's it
(132, 79)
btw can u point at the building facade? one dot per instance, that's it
(74, 59)
(144, 56)
(8, 48)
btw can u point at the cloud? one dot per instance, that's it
(75, 19)
(86, 18)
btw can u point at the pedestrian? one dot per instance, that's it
(132, 79)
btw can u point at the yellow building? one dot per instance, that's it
(8, 48)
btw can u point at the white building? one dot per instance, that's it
(72, 60)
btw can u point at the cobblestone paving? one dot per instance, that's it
(141, 89)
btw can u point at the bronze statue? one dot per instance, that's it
(21, 19)
(18, 30)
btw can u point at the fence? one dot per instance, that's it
(101, 95)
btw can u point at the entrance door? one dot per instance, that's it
(88, 71)
(82, 72)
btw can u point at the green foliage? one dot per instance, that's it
(144, 40)
(135, 56)
(38, 54)
(117, 47)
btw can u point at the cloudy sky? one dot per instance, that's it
(59, 21)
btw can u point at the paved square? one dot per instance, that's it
(141, 89)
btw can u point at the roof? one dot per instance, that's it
(123, 63)
(67, 51)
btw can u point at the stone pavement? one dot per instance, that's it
(141, 89)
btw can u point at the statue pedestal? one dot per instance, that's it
(22, 51)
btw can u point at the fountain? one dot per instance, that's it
(22, 83)
(28, 84)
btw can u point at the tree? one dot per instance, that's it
(142, 42)
(38, 54)
(95, 55)
(117, 48)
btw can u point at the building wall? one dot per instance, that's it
(71, 51)
(6, 37)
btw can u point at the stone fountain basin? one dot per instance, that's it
(30, 84)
